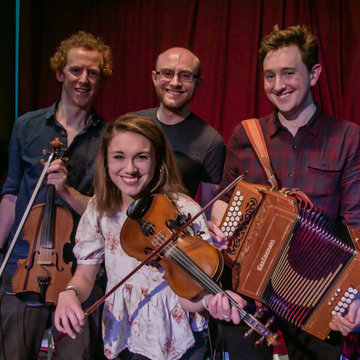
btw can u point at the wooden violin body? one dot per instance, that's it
(175, 256)
(47, 230)
(44, 271)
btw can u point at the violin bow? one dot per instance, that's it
(26, 213)
(155, 252)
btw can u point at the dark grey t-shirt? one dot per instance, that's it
(198, 148)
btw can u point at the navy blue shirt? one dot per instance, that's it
(31, 134)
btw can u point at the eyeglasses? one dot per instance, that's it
(183, 76)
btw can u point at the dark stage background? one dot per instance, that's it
(225, 34)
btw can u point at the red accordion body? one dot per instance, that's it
(291, 257)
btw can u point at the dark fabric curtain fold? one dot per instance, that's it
(225, 34)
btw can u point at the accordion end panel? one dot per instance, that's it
(343, 292)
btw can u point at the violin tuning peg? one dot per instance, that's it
(65, 159)
(259, 341)
(259, 312)
(269, 322)
(45, 152)
(248, 333)
(42, 161)
(63, 149)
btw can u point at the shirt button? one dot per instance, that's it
(294, 147)
(290, 174)
(63, 132)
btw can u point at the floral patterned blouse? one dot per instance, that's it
(143, 314)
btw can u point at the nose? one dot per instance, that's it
(130, 166)
(84, 77)
(175, 81)
(279, 83)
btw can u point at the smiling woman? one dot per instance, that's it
(134, 160)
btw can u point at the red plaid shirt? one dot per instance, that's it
(322, 160)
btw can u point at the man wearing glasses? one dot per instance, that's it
(198, 148)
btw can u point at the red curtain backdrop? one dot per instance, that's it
(225, 34)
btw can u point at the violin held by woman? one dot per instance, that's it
(144, 315)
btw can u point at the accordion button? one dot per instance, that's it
(355, 291)
(343, 299)
(236, 198)
(238, 193)
(333, 313)
(342, 310)
(345, 306)
(339, 290)
(337, 308)
(351, 296)
(348, 301)
(329, 303)
(340, 303)
(347, 294)
(350, 290)
(241, 198)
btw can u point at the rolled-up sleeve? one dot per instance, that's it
(15, 172)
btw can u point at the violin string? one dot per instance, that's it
(210, 285)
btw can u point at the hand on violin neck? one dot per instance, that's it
(219, 306)
(218, 238)
(57, 176)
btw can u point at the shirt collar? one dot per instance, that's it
(312, 127)
(92, 118)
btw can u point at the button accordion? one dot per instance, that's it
(290, 256)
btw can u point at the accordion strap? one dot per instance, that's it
(256, 137)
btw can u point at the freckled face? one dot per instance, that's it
(131, 164)
(80, 77)
(287, 81)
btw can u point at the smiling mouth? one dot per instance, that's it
(81, 90)
(285, 95)
(174, 92)
(130, 180)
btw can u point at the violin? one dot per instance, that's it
(191, 265)
(47, 230)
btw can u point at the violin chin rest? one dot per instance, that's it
(30, 298)
(139, 207)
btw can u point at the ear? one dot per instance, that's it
(59, 76)
(153, 75)
(315, 74)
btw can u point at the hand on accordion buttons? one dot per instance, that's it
(349, 322)
(219, 306)
(218, 238)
